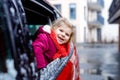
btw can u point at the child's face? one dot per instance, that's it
(63, 33)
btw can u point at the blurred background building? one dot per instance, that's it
(89, 20)
(95, 20)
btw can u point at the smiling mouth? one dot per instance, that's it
(60, 39)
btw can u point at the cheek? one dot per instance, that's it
(67, 38)
(56, 32)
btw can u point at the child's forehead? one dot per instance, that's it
(62, 24)
(64, 27)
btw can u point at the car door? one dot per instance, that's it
(18, 23)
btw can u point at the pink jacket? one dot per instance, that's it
(43, 48)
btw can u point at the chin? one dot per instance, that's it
(60, 43)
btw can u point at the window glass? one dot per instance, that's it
(72, 11)
(85, 14)
(99, 34)
(58, 6)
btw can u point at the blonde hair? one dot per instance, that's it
(59, 22)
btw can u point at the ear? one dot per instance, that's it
(47, 28)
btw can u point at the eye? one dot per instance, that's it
(67, 34)
(61, 30)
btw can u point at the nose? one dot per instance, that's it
(63, 34)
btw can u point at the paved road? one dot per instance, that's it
(103, 58)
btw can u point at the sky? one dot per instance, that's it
(109, 31)
(105, 13)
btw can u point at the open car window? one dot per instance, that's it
(18, 23)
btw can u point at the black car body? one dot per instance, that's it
(19, 19)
